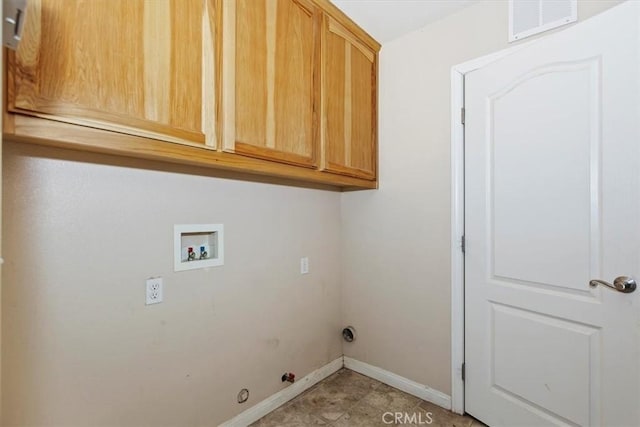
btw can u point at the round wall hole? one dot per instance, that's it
(349, 334)
(243, 396)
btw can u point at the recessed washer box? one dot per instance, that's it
(198, 246)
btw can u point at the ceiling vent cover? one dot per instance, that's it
(529, 17)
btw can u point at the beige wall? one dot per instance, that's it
(81, 235)
(396, 241)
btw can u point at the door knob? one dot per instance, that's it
(622, 284)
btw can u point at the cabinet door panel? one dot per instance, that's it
(362, 102)
(294, 79)
(335, 98)
(275, 87)
(132, 66)
(349, 99)
(251, 84)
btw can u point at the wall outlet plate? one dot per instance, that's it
(154, 290)
(304, 265)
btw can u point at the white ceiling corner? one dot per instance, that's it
(386, 20)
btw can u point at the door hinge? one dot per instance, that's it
(463, 372)
(463, 244)
(14, 13)
(462, 115)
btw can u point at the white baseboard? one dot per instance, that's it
(401, 383)
(274, 401)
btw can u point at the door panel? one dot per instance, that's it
(78, 63)
(542, 171)
(349, 104)
(362, 132)
(335, 71)
(296, 49)
(273, 86)
(552, 190)
(526, 372)
(251, 62)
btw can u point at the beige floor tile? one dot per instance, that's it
(390, 399)
(328, 402)
(361, 415)
(348, 399)
(348, 380)
(289, 415)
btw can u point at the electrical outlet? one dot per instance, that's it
(154, 290)
(304, 265)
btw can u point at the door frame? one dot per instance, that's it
(458, 215)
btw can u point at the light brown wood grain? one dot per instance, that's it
(271, 21)
(216, 19)
(335, 14)
(295, 84)
(250, 71)
(209, 75)
(186, 63)
(361, 149)
(333, 92)
(349, 98)
(351, 38)
(348, 105)
(281, 86)
(30, 129)
(94, 63)
(226, 36)
(157, 67)
(274, 84)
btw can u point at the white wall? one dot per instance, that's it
(396, 240)
(81, 234)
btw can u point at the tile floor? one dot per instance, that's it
(347, 398)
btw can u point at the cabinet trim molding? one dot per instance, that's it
(65, 135)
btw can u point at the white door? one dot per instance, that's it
(552, 182)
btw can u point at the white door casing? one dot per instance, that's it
(552, 200)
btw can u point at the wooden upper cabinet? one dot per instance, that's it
(130, 66)
(285, 88)
(270, 79)
(349, 98)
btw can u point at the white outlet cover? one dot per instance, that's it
(304, 265)
(154, 291)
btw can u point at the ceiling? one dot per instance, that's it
(386, 20)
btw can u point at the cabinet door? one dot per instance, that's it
(131, 66)
(270, 81)
(349, 95)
